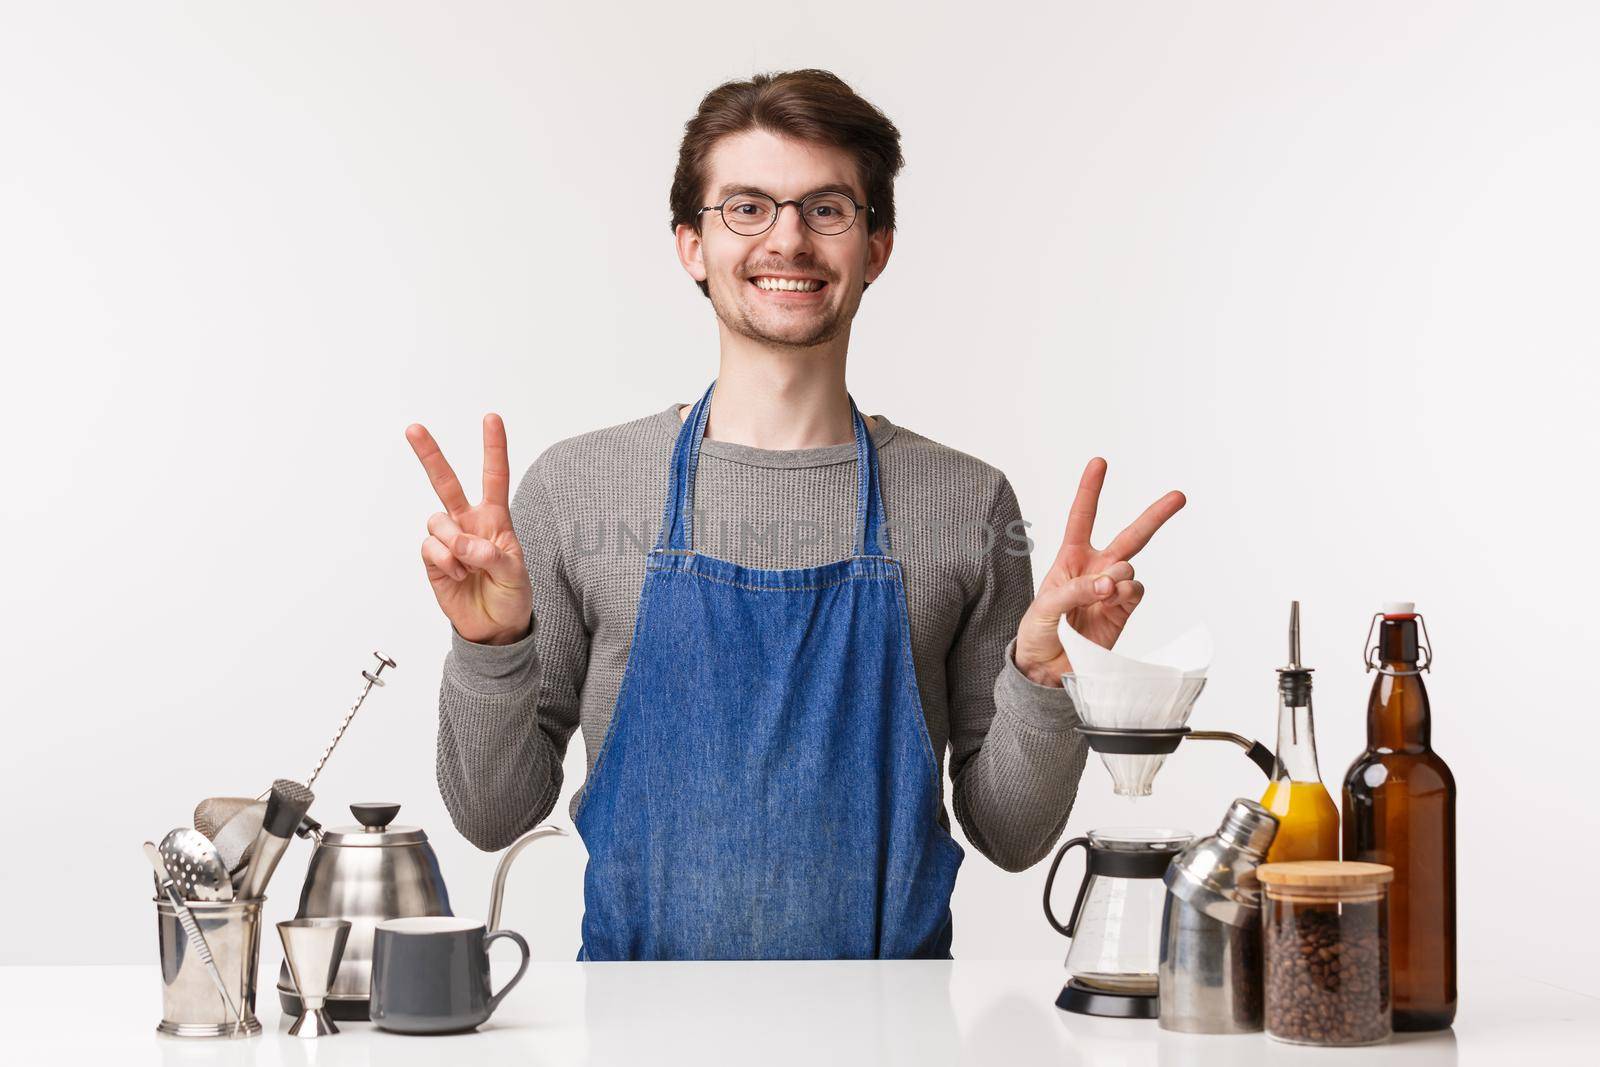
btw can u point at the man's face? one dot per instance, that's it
(730, 263)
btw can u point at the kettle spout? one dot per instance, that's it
(498, 892)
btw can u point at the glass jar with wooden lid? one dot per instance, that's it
(1325, 940)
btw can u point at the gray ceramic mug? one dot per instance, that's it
(430, 974)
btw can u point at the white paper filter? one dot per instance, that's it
(1119, 692)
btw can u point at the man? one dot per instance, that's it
(766, 711)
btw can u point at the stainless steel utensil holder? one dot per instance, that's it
(190, 1003)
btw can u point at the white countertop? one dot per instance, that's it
(913, 1012)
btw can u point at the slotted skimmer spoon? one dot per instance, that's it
(195, 866)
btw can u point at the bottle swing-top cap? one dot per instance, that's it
(1406, 646)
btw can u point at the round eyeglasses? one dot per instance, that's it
(753, 214)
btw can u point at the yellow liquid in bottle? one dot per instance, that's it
(1308, 821)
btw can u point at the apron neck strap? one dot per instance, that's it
(677, 516)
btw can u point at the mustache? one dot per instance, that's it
(779, 268)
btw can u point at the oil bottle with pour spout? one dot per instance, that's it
(1308, 820)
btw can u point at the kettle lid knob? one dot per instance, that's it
(376, 815)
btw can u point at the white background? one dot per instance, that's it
(1330, 269)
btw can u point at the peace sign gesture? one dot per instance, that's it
(1093, 587)
(471, 553)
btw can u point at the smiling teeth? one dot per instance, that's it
(798, 285)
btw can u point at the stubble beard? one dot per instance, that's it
(804, 331)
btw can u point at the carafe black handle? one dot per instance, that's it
(1083, 888)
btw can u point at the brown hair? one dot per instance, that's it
(808, 105)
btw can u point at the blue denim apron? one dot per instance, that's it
(766, 788)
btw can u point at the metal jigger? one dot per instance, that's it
(312, 949)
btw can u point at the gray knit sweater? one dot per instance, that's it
(589, 509)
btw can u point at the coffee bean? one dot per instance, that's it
(1327, 972)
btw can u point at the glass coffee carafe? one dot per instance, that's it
(1115, 923)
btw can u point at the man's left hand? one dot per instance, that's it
(1093, 587)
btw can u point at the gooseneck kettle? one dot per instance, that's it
(374, 871)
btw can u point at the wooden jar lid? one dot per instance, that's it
(1325, 874)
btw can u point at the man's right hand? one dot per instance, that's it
(473, 559)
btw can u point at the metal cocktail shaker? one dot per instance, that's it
(1210, 977)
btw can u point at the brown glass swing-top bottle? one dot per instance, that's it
(1400, 810)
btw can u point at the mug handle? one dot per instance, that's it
(494, 1001)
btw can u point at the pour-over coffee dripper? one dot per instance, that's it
(1133, 754)
(1135, 712)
